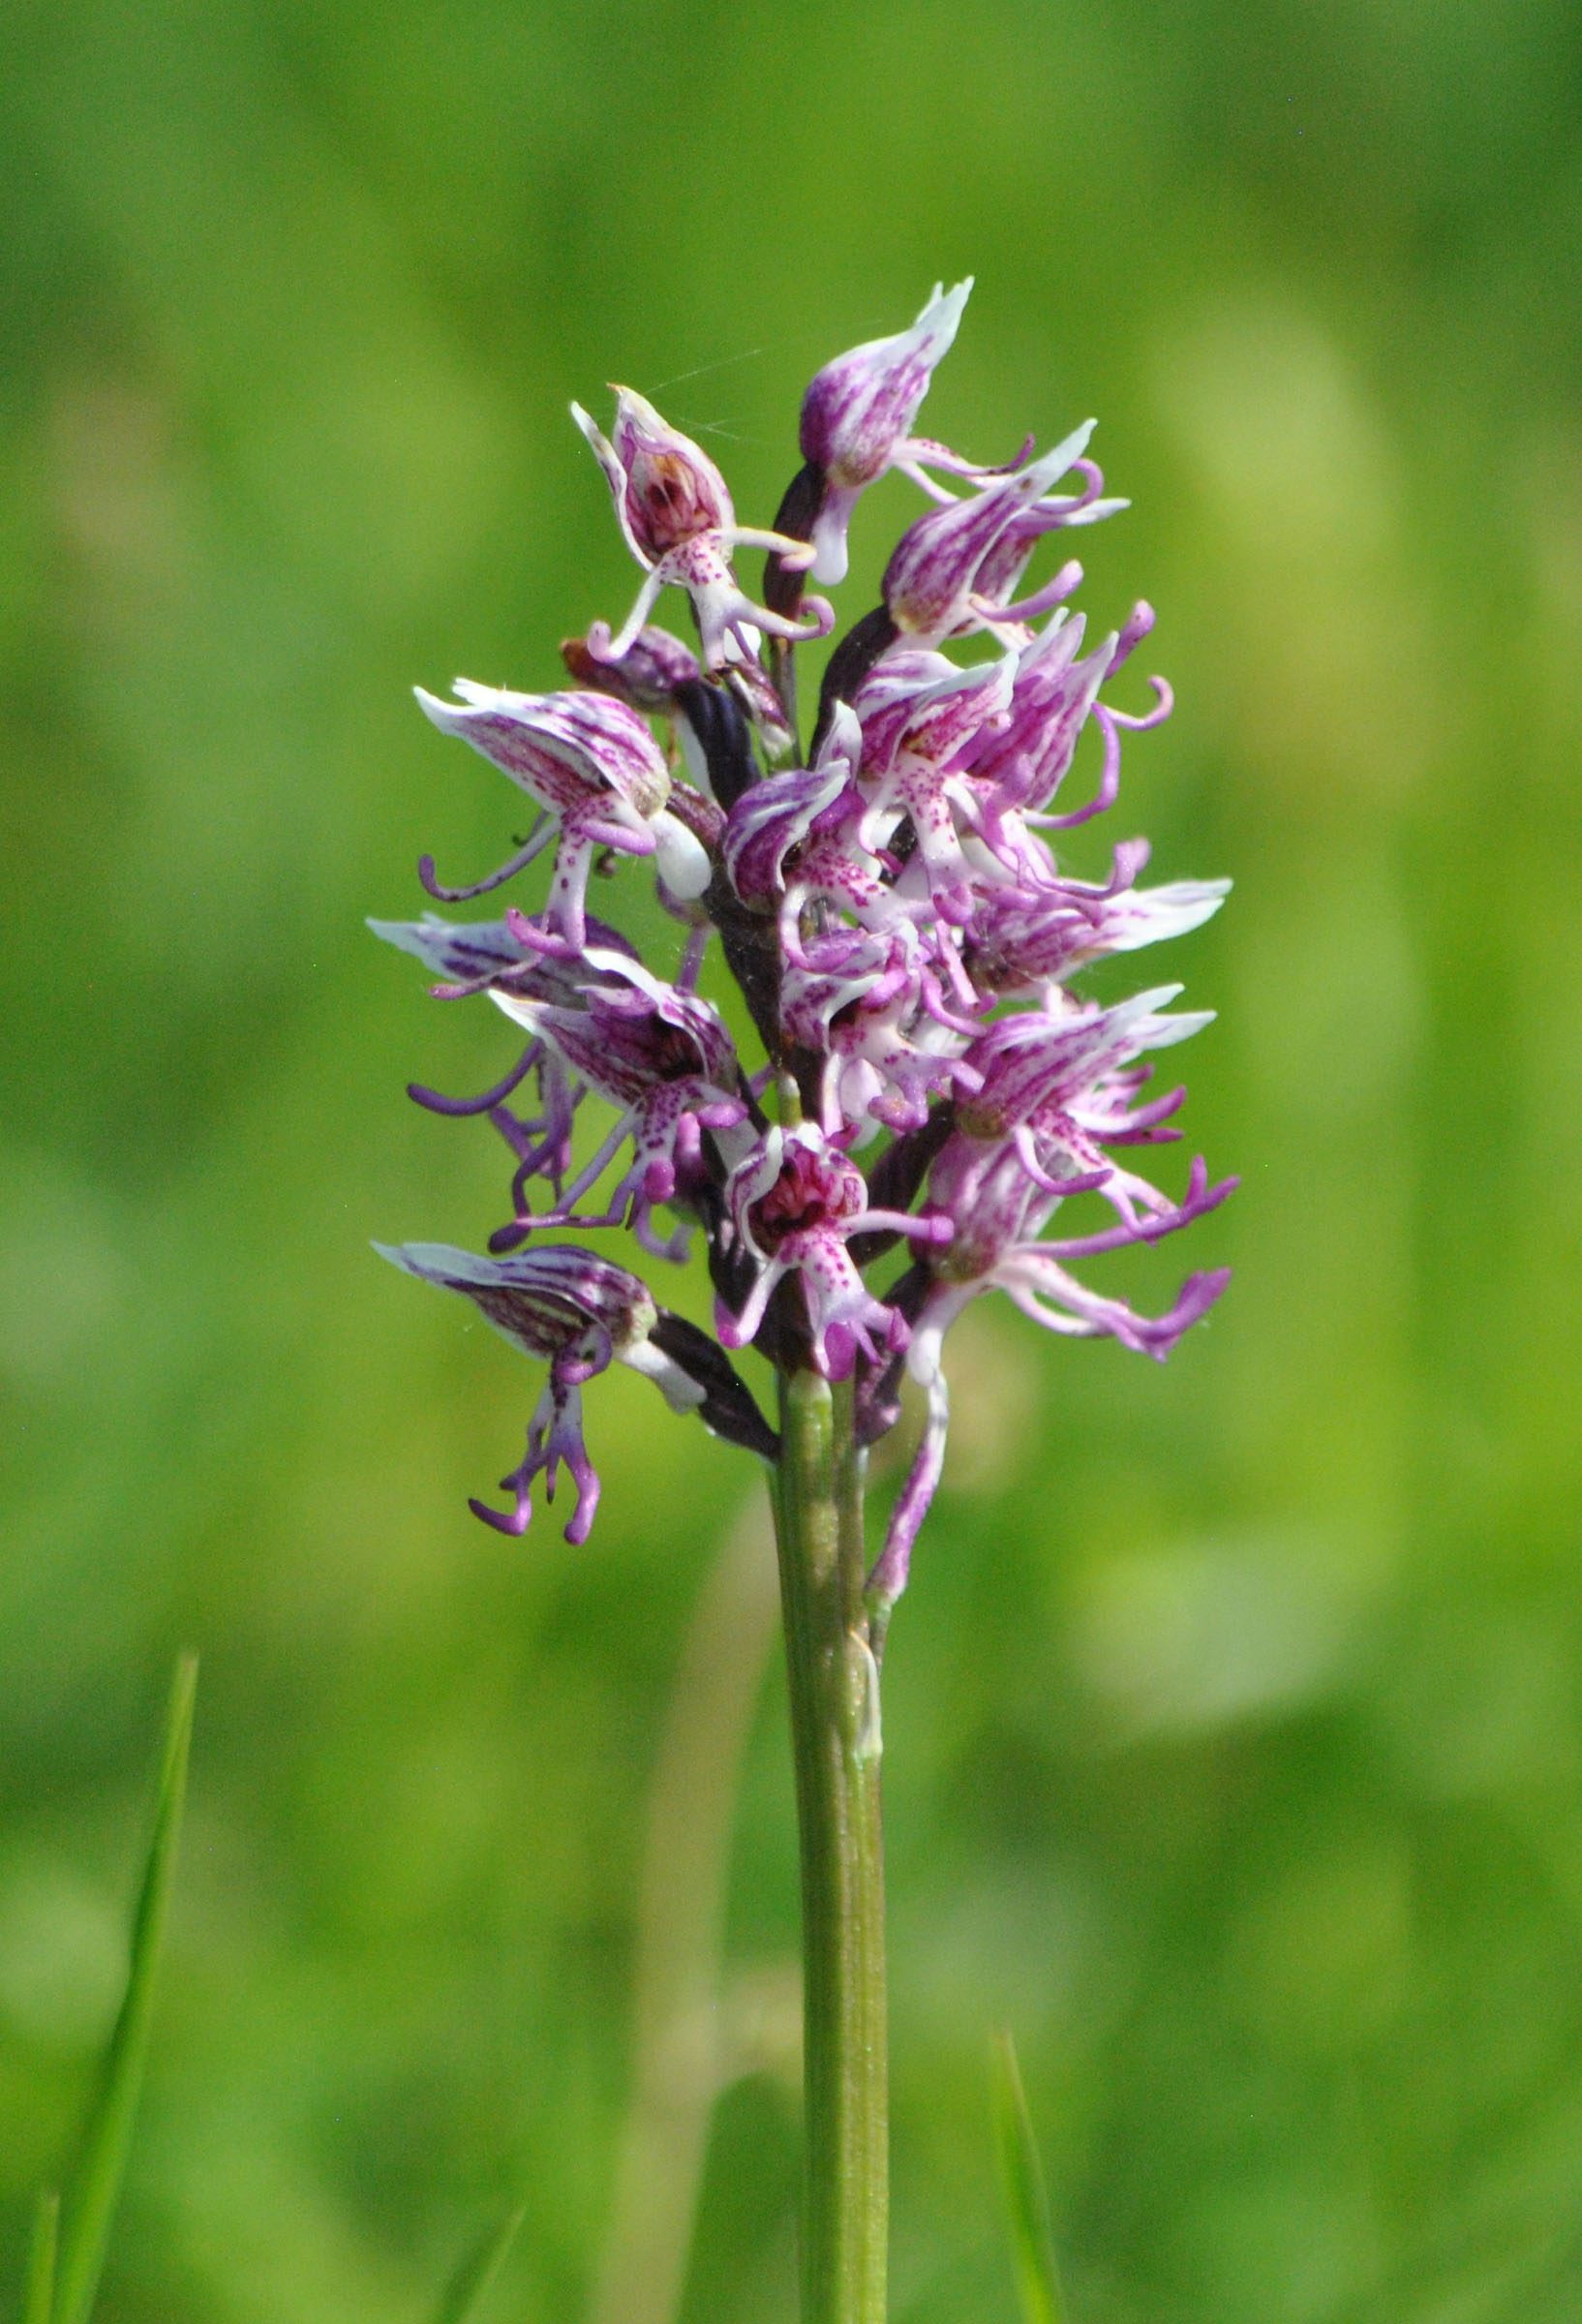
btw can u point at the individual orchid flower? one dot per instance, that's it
(772, 823)
(874, 1005)
(596, 770)
(943, 577)
(1023, 938)
(577, 1313)
(676, 518)
(665, 1057)
(1026, 757)
(920, 715)
(797, 838)
(1038, 1070)
(499, 956)
(982, 1188)
(794, 1203)
(1002, 567)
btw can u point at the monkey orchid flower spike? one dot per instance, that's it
(676, 515)
(855, 1063)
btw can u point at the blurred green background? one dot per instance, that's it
(1234, 1723)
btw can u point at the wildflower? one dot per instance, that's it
(874, 1005)
(1055, 1091)
(857, 416)
(797, 836)
(795, 1203)
(661, 1054)
(596, 770)
(943, 577)
(919, 712)
(575, 1312)
(892, 904)
(676, 515)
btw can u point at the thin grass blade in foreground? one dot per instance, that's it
(96, 2184)
(1026, 2199)
(39, 2298)
(476, 2278)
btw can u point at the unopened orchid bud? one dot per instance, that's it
(858, 413)
(648, 676)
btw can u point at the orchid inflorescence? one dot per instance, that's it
(933, 1086)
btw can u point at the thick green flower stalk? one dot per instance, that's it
(931, 1084)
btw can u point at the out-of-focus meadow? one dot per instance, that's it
(1235, 1719)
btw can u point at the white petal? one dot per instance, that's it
(683, 861)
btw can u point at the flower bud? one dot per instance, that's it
(649, 674)
(858, 410)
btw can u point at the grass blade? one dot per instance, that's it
(96, 2183)
(473, 2281)
(39, 2299)
(1026, 2200)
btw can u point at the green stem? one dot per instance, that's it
(835, 1746)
